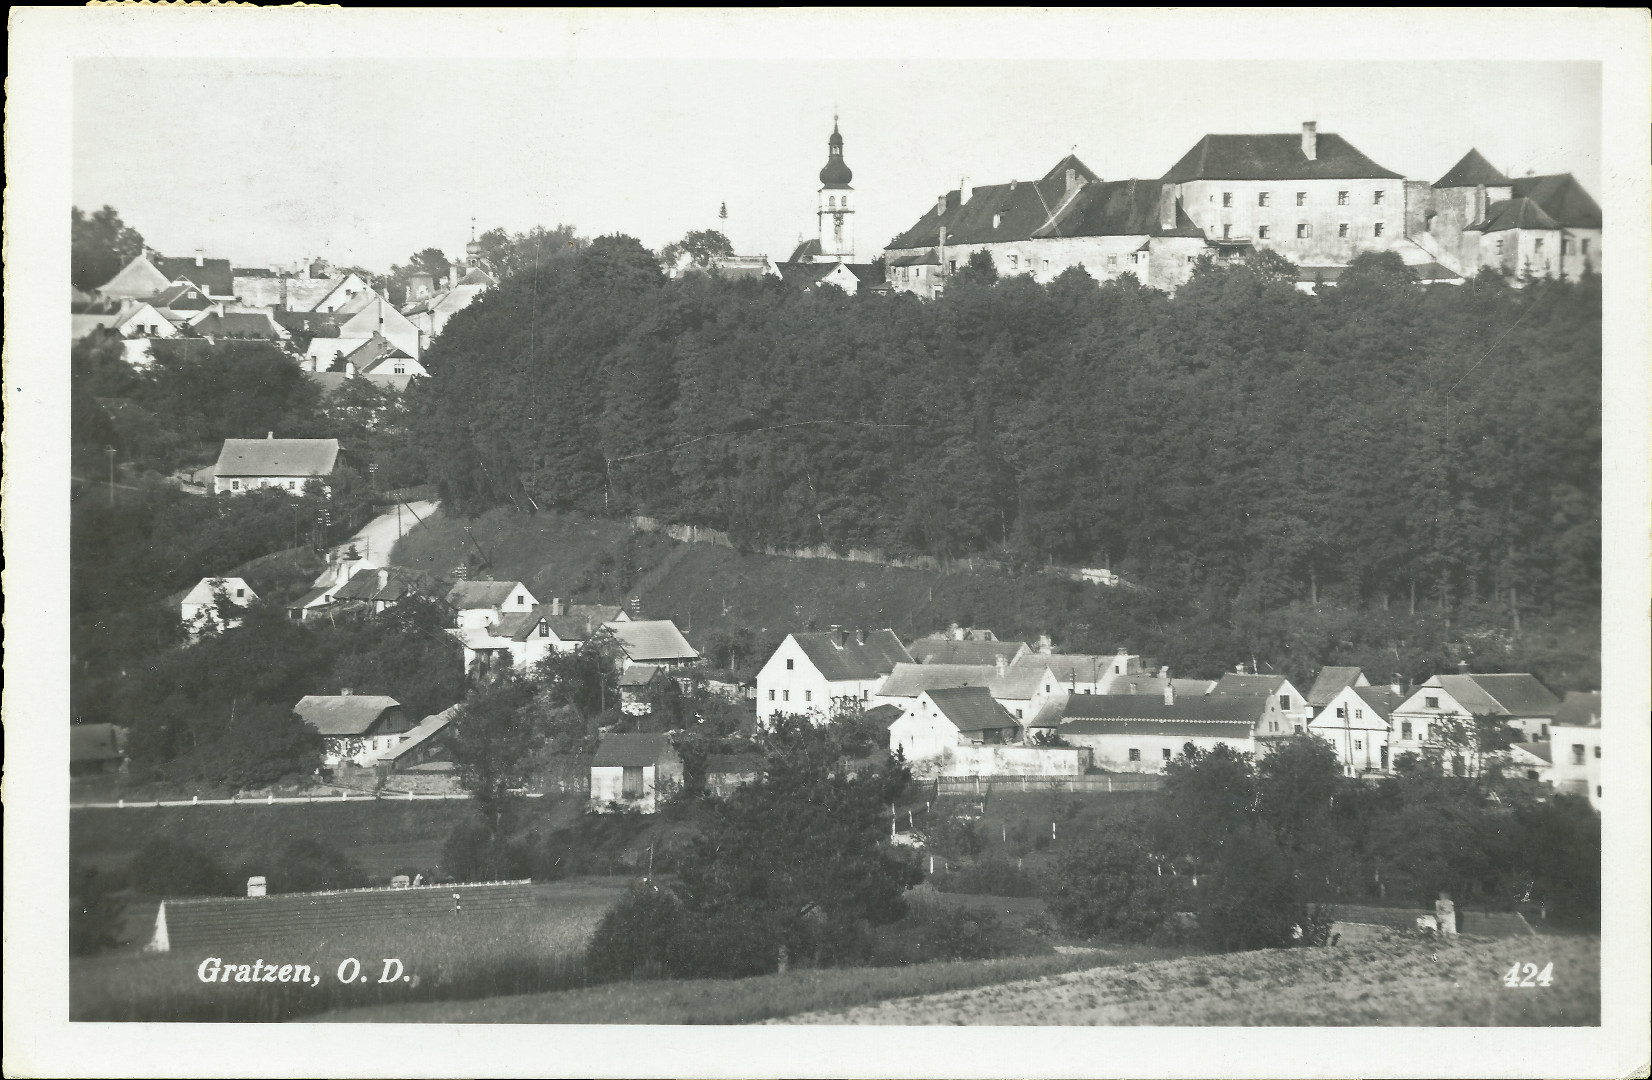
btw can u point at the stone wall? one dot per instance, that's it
(1015, 761)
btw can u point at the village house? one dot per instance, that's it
(1330, 682)
(478, 604)
(357, 727)
(634, 772)
(942, 719)
(429, 314)
(932, 650)
(1574, 739)
(375, 589)
(651, 641)
(340, 569)
(1355, 723)
(1427, 721)
(288, 464)
(815, 673)
(420, 760)
(1069, 218)
(635, 684)
(1285, 710)
(199, 611)
(149, 274)
(1144, 732)
(221, 325)
(142, 319)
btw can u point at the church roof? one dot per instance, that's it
(1472, 171)
(835, 174)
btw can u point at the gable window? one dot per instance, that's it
(1227, 198)
(1015, 261)
(239, 593)
(1431, 703)
(1262, 197)
(1285, 702)
(1135, 755)
(1499, 245)
(1342, 713)
(1262, 232)
(1302, 198)
(544, 629)
(1046, 266)
(400, 369)
(1358, 745)
(1342, 231)
(1376, 230)
(521, 601)
(808, 695)
(1112, 260)
(1303, 230)
(789, 664)
(1405, 729)
(1376, 197)
(1342, 198)
(1359, 714)
(1273, 725)
(1046, 688)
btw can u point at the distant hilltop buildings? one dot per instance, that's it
(1311, 196)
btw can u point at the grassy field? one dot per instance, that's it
(1387, 980)
(527, 951)
(738, 1001)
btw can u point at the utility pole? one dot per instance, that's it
(110, 450)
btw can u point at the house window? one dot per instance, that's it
(1262, 197)
(520, 601)
(789, 664)
(1227, 198)
(292, 485)
(1499, 245)
(1431, 702)
(1537, 245)
(239, 593)
(1358, 745)
(1565, 246)
(1046, 688)
(1262, 232)
(1135, 755)
(1112, 260)
(544, 629)
(1227, 231)
(1405, 729)
(1342, 231)
(1583, 247)
(1577, 753)
(1285, 702)
(808, 695)
(1342, 198)
(1597, 791)
(1597, 753)
(1015, 261)
(400, 369)
(631, 782)
(1046, 266)
(1273, 725)
(952, 264)
(1342, 714)
(1018, 714)
(771, 695)
(1303, 231)
(1359, 714)
(235, 485)
(1166, 753)
(1299, 729)
(1376, 230)
(1376, 198)
(785, 695)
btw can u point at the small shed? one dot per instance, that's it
(96, 748)
(634, 684)
(633, 772)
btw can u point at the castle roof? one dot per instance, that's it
(1275, 157)
(1472, 171)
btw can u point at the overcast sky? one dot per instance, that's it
(368, 160)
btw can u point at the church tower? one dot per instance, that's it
(837, 211)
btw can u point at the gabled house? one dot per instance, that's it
(214, 276)
(814, 673)
(199, 609)
(950, 650)
(288, 464)
(142, 319)
(945, 718)
(1355, 723)
(357, 727)
(483, 603)
(1421, 723)
(1027, 689)
(1330, 682)
(378, 355)
(1285, 709)
(429, 315)
(634, 772)
(1144, 732)
(635, 684)
(217, 324)
(348, 293)
(375, 588)
(1575, 740)
(652, 641)
(137, 280)
(318, 600)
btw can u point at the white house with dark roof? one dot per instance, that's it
(651, 641)
(357, 727)
(1519, 700)
(1330, 682)
(1575, 744)
(199, 610)
(288, 464)
(483, 603)
(1285, 709)
(813, 673)
(632, 772)
(1144, 732)
(938, 649)
(1355, 723)
(522, 639)
(943, 719)
(1040, 228)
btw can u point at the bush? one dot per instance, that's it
(989, 877)
(473, 852)
(933, 930)
(169, 867)
(652, 934)
(1107, 884)
(94, 911)
(957, 838)
(304, 865)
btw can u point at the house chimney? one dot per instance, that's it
(940, 205)
(344, 691)
(1310, 140)
(556, 605)
(1167, 207)
(966, 191)
(999, 661)
(269, 434)
(860, 635)
(200, 257)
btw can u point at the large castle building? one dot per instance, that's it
(1313, 197)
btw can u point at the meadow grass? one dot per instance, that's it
(740, 1001)
(534, 949)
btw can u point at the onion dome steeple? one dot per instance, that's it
(835, 174)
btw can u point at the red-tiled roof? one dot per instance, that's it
(1275, 157)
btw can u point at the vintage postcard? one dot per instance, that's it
(627, 543)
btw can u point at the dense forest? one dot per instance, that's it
(1376, 444)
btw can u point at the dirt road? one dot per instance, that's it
(374, 540)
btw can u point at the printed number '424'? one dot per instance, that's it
(1527, 976)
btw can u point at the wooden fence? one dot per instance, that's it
(1107, 783)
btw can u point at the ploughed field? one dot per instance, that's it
(1389, 978)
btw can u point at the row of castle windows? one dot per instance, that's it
(1265, 198)
(1304, 231)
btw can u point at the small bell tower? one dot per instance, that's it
(836, 211)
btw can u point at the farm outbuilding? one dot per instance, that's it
(632, 771)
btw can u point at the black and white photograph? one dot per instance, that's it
(1120, 536)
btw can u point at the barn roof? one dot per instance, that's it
(637, 675)
(1515, 213)
(277, 457)
(343, 714)
(652, 639)
(421, 733)
(632, 750)
(972, 708)
(840, 657)
(883, 715)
